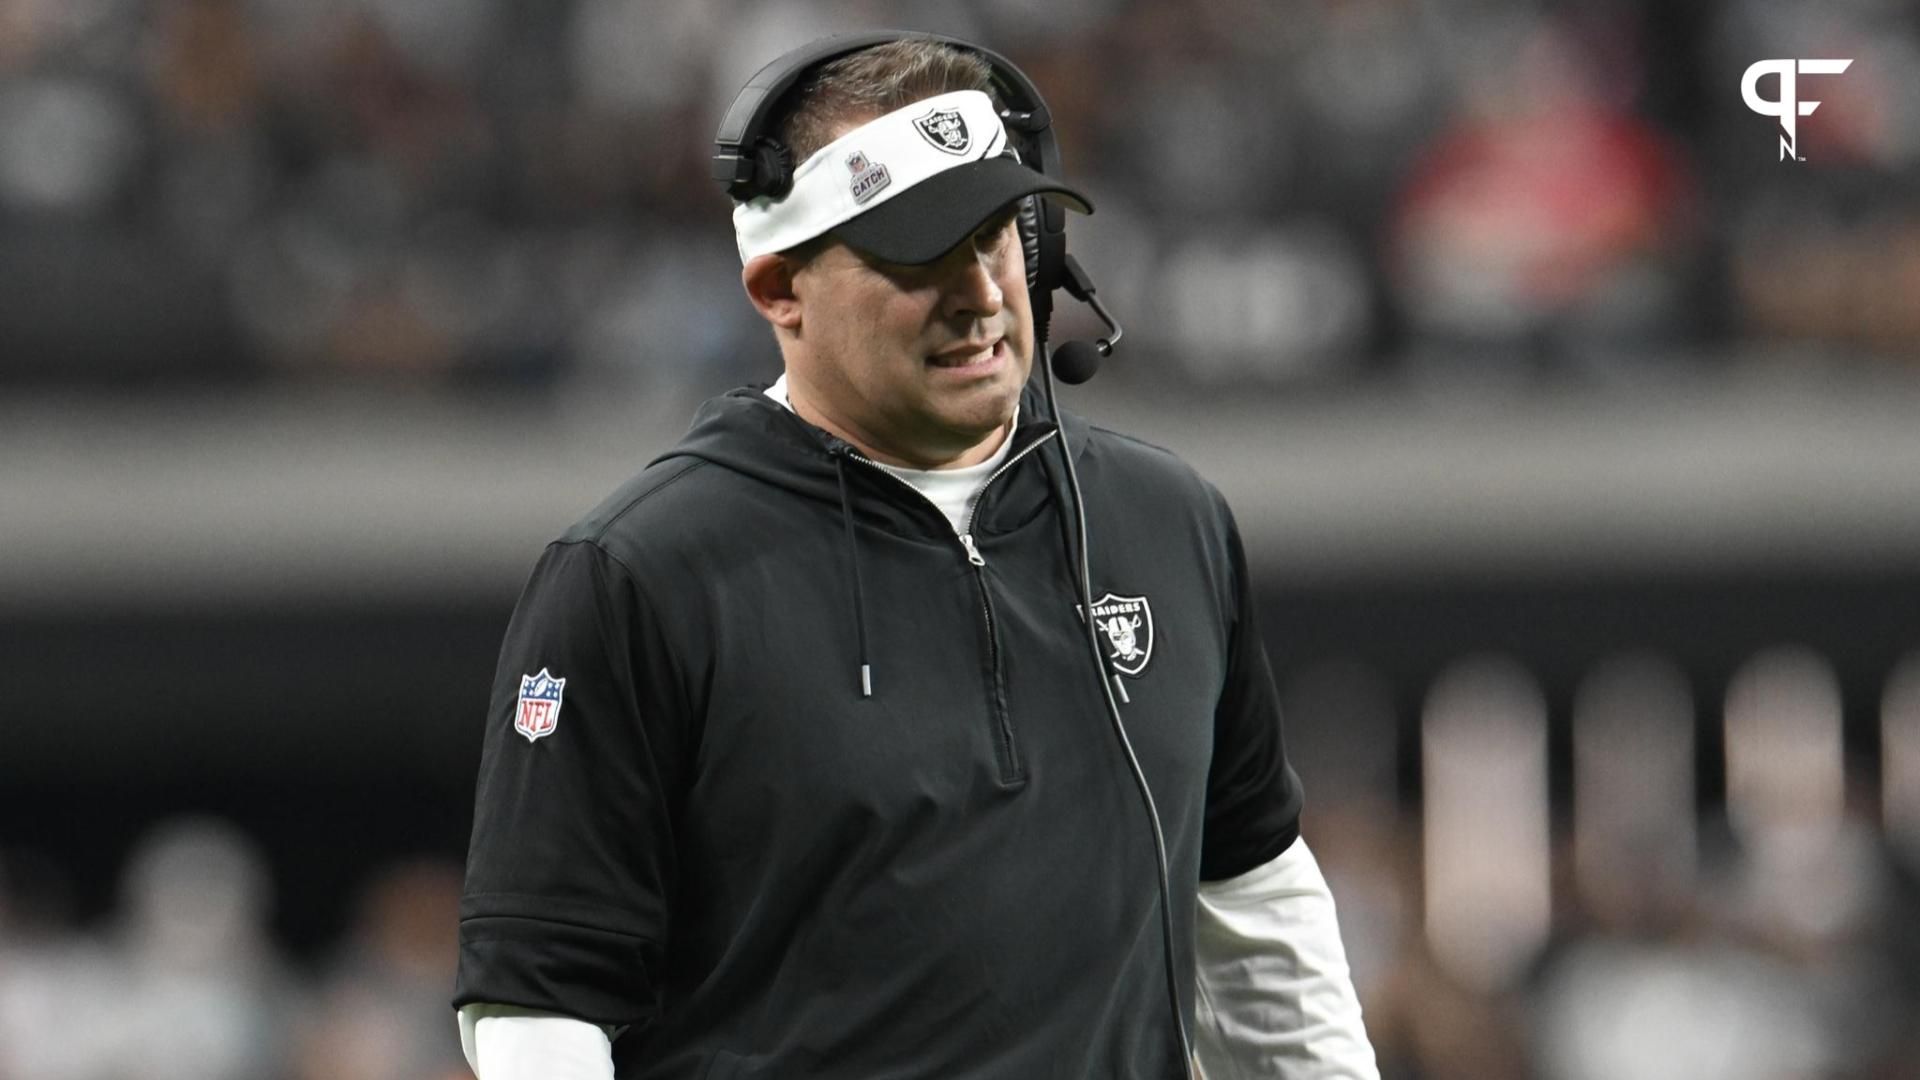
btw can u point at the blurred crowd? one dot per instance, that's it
(477, 190)
(1619, 922)
(186, 981)
(1506, 918)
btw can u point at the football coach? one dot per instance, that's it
(894, 723)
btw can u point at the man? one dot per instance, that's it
(798, 762)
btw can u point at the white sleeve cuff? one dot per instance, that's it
(1273, 995)
(505, 1042)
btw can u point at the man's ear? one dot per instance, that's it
(768, 280)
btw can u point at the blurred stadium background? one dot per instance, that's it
(1574, 436)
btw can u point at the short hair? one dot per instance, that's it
(873, 82)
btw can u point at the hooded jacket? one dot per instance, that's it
(786, 779)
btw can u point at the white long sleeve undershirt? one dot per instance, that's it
(1273, 996)
(506, 1042)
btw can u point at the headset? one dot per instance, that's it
(750, 161)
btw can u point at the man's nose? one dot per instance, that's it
(971, 288)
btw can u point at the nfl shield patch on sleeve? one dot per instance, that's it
(539, 709)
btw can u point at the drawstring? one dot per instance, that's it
(859, 593)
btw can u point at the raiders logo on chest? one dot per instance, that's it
(1126, 629)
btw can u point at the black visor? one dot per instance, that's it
(927, 220)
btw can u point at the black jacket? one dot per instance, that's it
(724, 845)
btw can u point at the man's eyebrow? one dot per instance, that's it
(996, 221)
(1000, 217)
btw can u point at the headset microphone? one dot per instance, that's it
(1077, 361)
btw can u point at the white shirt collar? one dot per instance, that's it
(952, 490)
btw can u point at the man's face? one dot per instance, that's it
(923, 365)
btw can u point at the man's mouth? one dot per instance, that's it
(970, 354)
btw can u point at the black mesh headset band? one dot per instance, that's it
(743, 144)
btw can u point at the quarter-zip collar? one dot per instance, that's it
(751, 434)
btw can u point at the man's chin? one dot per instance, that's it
(984, 417)
(952, 434)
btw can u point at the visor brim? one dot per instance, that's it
(928, 220)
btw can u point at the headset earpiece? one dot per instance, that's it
(1027, 218)
(1040, 295)
(772, 168)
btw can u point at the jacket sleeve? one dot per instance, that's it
(572, 857)
(1253, 795)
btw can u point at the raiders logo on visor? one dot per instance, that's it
(946, 129)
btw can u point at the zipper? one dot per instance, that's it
(965, 536)
(973, 553)
(1012, 771)
(973, 505)
(1007, 754)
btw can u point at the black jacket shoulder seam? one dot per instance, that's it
(600, 533)
(640, 498)
(1192, 477)
(595, 544)
(1137, 441)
